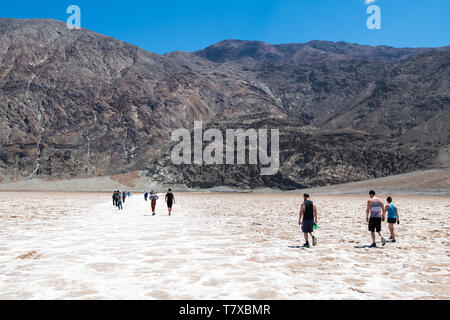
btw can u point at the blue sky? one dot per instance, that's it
(168, 25)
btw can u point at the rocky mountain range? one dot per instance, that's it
(74, 103)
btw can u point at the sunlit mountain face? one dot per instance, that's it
(75, 103)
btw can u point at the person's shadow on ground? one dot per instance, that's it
(368, 246)
(296, 247)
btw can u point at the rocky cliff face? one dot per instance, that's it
(76, 103)
(309, 157)
(257, 52)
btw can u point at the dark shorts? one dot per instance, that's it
(392, 220)
(169, 204)
(375, 224)
(307, 226)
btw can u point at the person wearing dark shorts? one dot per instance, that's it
(308, 219)
(392, 217)
(375, 208)
(375, 224)
(170, 200)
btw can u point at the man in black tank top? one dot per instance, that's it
(308, 219)
(170, 199)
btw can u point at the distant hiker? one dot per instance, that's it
(377, 214)
(129, 194)
(119, 201)
(114, 198)
(170, 200)
(392, 217)
(124, 196)
(308, 219)
(153, 198)
(145, 195)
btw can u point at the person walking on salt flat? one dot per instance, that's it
(153, 198)
(377, 211)
(308, 219)
(119, 201)
(392, 217)
(170, 200)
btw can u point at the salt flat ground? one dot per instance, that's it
(59, 245)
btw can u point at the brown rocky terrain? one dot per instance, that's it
(77, 103)
(74, 103)
(428, 182)
(309, 157)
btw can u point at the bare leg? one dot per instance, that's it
(391, 230)
(383, 242)
(314, 240)
(373, 236)
(306, 237)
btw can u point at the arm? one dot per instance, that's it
(173, 199)
(384, 212)
(398, 217)
(302, 210)
(368, 210)
(315, 214)
(165, 199)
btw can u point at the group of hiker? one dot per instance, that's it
(375, 214)
(153, 196)
(119, 198)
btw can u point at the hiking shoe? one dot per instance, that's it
(393, 240)
(373, 245)
(390, 238)
(383, 242)
(306, 245)
(153, 214)
(314, 241)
